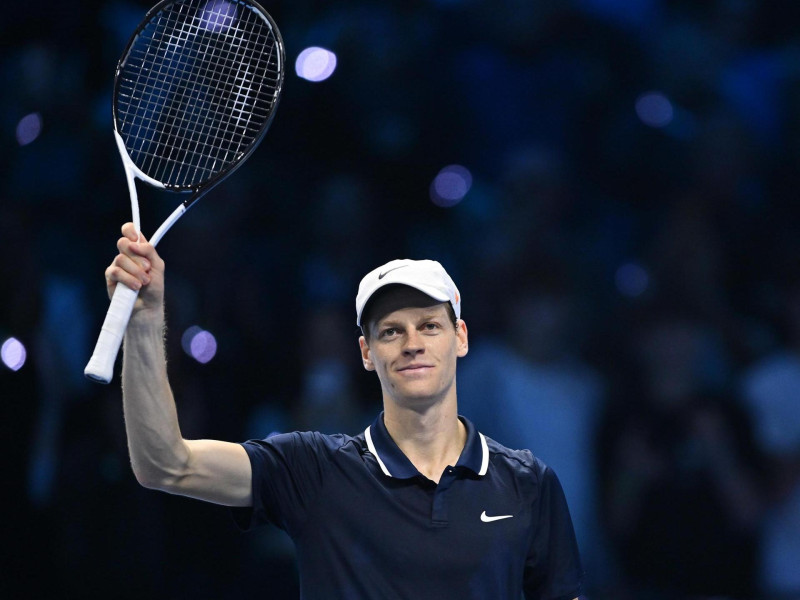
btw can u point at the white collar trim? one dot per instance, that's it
(484, 452)
(371, 446)
(485, 458)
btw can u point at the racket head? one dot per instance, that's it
(196, 89)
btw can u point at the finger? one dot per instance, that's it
(129, 231)
(132, 267)
(115, 275)
(142, 253)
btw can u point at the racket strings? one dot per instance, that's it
(196, 89)
(181, 128)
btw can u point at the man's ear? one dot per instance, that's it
(463, 338)
(365, 354)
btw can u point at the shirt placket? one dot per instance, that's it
(439, 508)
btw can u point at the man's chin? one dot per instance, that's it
(418, 397)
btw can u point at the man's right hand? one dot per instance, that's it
(138, 266)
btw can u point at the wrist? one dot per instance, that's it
(147, 320)
(144, 340)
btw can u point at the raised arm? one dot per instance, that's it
(209, 470)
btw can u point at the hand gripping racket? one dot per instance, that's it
(194, 93)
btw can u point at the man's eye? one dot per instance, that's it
(389, 332)
(431, 326)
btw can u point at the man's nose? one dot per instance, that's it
(414, 343)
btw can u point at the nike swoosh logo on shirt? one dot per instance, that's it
(385, 273)
(487, 519)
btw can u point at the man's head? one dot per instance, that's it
(409, 312)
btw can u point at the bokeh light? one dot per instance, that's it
(632, 280)
(198, 343)
(654, 109)
(450, 185)
(29, 128)
(13, 354)
(218, 15)
(315, 64)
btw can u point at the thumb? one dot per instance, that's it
(129, 231)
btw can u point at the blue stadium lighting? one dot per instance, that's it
(654, 109)
(198, 343)
(315, 64)
(29, 128)
(450, 186)
(13, 354)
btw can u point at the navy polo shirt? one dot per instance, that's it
(367, 525)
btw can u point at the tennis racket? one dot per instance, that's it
(194, 93)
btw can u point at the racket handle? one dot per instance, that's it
(101, 366)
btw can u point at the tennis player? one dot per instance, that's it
(419, 505)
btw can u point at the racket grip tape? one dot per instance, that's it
(101, 366)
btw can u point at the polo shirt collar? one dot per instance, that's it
(392, 461)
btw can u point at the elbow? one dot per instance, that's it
(151, 478)
(159, 471)
(145, 478)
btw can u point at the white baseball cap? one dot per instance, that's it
(427, 276)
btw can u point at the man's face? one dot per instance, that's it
(413, 346)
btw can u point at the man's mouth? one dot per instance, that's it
(414, 367)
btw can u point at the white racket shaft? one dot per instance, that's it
(101, 365)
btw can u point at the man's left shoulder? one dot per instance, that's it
(521, 462)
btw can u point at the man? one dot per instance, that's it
(420, 505)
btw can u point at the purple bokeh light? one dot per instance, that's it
(450, 186)
(199, 344)
(315, 64)
(218, 15)
(13, 354)
(29, 128)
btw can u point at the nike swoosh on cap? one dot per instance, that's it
(385, 273)
(487, 519)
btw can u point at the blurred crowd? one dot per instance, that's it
(631, 281)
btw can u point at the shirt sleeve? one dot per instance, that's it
(553, 568)
(288, 473)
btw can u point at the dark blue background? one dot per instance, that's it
(574, 197)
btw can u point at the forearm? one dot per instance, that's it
(157, 449)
